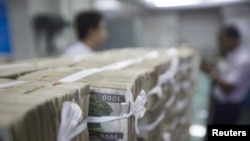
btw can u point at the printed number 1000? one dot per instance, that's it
(111, 98)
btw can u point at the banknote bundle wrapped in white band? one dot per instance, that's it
(163, 123)
(132, 91)
(132, 100)
(15, 69)
(39, 111)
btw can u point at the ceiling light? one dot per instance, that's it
(179, 3)
(174, 3)
(107, 5)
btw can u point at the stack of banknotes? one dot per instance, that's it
(139, 93)
(19, 68)
(37, 111)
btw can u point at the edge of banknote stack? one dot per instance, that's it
(123, 94)
(39, 111)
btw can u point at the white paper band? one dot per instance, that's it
(174, 124)
(14, 66)
(167, 76)
(4, 85)
(171, 72)
(114, 66)
(78, 58)
(137, 110)
(170, 102)
(156, 90)
(163, 78)
(153, 125)
(71, 122)
(181, 105)
(126, 63)
(172, 52)
(79, 75)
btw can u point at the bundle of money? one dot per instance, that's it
(19, 68)
(111, 56)
(121, 80)
(110, 92)
(152, 123)
(109, 97)
(180, 132)
(177, 105)
(35, 111)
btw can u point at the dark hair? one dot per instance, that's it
(86, 21)
(231, 32)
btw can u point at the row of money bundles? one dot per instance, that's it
(116, 95)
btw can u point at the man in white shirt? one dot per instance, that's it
(91, 32)
(230, 77)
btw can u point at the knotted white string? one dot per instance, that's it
(137, 108)
(71, 122)
(165, 77)
(181, 105)
(154, 124)
(170, 102)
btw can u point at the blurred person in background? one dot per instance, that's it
(91, 32)
(230, 77)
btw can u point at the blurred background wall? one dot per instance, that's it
(131, 23)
